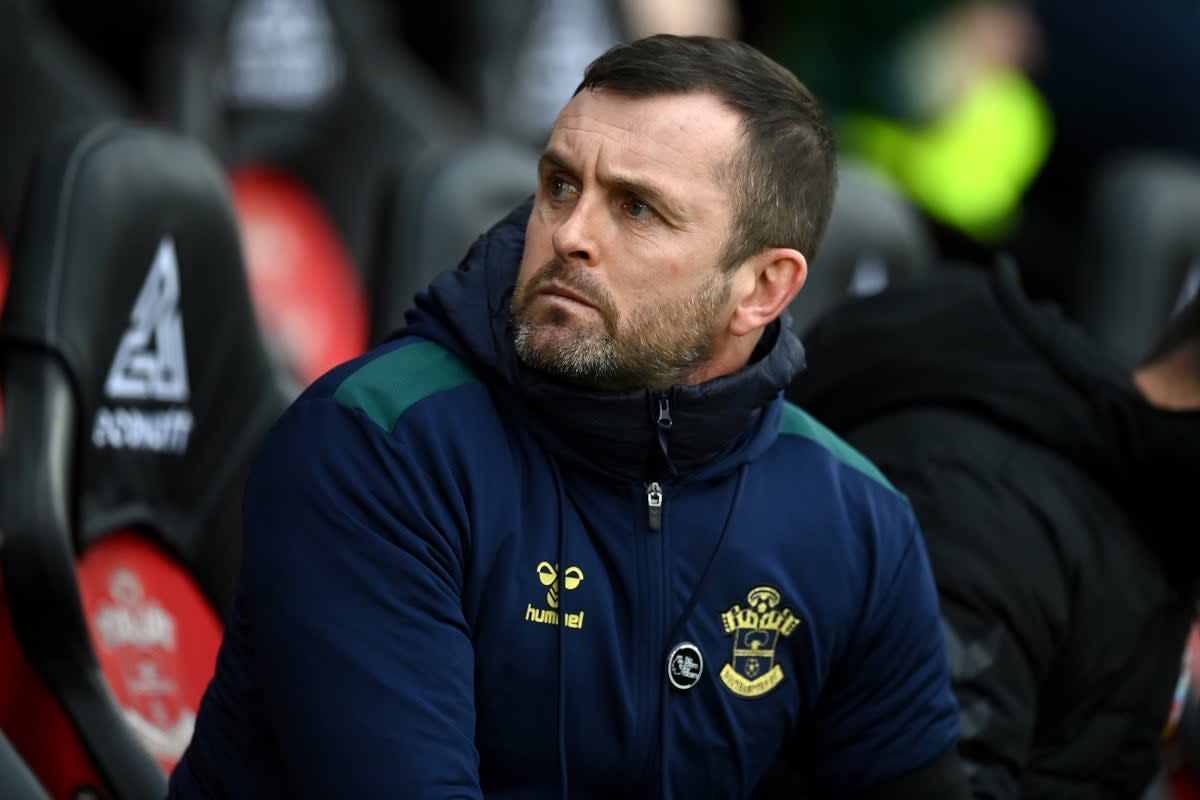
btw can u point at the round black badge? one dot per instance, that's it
(684, 666)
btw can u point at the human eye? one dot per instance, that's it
(559, 188)
(639, 209)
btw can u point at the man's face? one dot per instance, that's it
(619, 285)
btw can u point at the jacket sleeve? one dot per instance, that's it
(887, 710)
(354, 553)
(1004, 603)
(943, 778)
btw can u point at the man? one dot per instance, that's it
(1057, 496)
(548, 541)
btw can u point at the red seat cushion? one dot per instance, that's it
(156, 639)
(155, 635)
(307, 293)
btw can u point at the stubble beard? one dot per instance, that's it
(654, 347)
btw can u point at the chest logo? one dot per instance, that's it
(549, 576)
(685, 665)
(756, 630)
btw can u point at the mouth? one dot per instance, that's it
(563, 293)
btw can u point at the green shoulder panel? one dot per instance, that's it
(386, 387)
(797, 422)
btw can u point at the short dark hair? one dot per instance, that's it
(786, 175)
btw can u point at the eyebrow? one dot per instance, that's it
(648, 192)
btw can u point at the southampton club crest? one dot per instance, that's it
(756, 629)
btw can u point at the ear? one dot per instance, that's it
(769, 281)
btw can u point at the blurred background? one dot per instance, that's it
(365, 144)
(394, 132)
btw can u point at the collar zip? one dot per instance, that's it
(662, 426)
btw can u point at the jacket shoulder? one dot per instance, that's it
(391, 382)
(798, 423)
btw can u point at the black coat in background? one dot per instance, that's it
(1059, 510)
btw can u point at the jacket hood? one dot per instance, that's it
(643, 434)
(970, 339)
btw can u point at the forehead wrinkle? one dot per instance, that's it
(667, 137)
(644, 186)
(559, 154)
(662, 135)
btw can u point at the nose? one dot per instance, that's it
(576, 239)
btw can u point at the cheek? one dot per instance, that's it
(538, 250)
(642, 294)
(537, 232)
(658, 274)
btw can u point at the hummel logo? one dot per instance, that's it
(150, 363)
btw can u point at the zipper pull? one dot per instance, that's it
(664, 413)
(663, 426)
(654, 500)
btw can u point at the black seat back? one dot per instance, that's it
(875, 239)
(438, 207)
(137, 389)
(17, 782)
(47, 82)
(321, 90)
(1141, 251)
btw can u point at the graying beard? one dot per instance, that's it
(599, 366)
(583, 364)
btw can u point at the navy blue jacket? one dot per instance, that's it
(462, 578)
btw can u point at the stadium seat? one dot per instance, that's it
(875, 238)
(308, 293)
(17, 781)
(1141, 251)
(437, 207)
(321, 91)
(49, 82)
(336, 104)
(137, 389)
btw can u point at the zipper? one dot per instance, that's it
(651, 627)
(653, 578)
(654, 493)
(654, 505)
(663, 425)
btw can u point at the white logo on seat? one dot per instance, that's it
(150, 363)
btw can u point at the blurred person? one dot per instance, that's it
(1007, 122)
(909, 60)
(934, 94)
(1056, 492)
(562, 536)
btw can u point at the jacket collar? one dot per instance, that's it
(642, 434)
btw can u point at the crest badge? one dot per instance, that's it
(757, 629)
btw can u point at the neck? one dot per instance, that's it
(728, 359)
(1173, 381)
